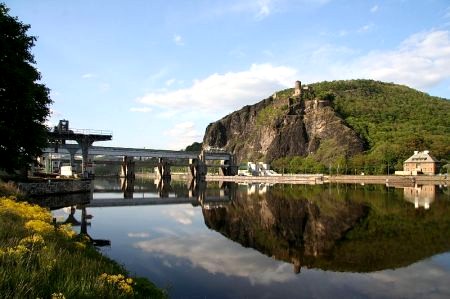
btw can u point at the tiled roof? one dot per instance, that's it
(421, 157)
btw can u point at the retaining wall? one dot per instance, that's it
(55, 187)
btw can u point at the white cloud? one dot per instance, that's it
(225, 92)
(374, 9)
(141, 109)
(87, 76)
(365, 28)
(422, 60)
(263, 9)
(178, 40)
(183, 134)
(170, 82)
(167, 114)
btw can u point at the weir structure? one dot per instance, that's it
(85, 138)
(196, 162)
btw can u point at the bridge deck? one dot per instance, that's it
(135, 152)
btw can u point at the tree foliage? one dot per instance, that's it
(24, 102)
(194, 147)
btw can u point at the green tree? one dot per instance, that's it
(194, 147)
(24, 102)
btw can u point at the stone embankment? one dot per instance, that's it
(390, 179)
(55, 186)
(320, 179)
(284, 179)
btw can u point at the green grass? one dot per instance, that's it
(38, 260)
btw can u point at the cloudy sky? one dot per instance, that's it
(158, 72)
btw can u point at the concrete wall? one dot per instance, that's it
(55, 187)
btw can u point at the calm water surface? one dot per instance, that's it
(281, 241)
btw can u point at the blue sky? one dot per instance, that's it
(157, 73)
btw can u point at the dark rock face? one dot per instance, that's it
(279, 127)
(293, 230)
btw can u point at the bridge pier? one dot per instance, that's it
(197, 189)
(224, 167)
(163, 169)
(163, 186)
(127, 169)
(127, 186)
(85, 142)
(197, 169)
(72, 151)
(227, 167)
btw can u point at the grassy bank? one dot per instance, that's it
(40, 260)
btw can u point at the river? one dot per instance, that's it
(223, 240)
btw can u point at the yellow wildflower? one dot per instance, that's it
(66, 231)
(24, 209)
(119, 281)
(39, 226)
(16, 252)
(34, 240)
(58, 296)
(80, 245)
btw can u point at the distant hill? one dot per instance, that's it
(352, 125)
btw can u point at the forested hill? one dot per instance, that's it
(392, 118)
(357, 125)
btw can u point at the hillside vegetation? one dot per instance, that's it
(393, 121)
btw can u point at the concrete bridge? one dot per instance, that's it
(197, 162)
(85, 138)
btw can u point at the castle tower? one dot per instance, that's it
(298, 89)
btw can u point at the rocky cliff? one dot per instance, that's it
(291, 122)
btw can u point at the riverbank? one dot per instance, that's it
(313, 179)
(391, 179)
(40, 259)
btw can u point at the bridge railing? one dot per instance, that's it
(91, 132)
(85, 132)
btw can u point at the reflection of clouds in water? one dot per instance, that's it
(138, 235)
(183, 215)
(167, 264)
(219, 255)
(421, 280)
(165, 231)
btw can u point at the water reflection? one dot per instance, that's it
(420, 195)
(278, 237)
(83, 224)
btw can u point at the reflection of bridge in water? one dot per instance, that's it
(204, 202)
(161, 192)
(196, 195)
(84, 223)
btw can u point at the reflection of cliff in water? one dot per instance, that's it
(356, 229)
